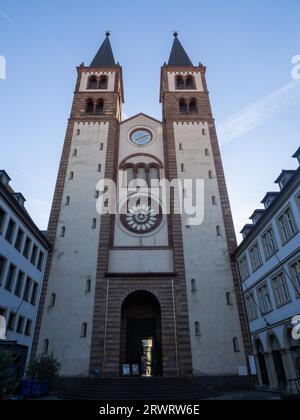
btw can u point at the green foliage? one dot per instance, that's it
(45, 368)
(8, 380)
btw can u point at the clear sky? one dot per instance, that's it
(247, 47)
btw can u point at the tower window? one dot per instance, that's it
(103, 82)
(229, 299)
(179, 82)
(203, 132)
(75, 153)
(194, 285)
(94, 223)
(181, 147)
(84, 330)
(197, 329)
(183, 108)
(92, 82)
(78, 132)
(236, 345)
(45, 347)
(214, 200)
(52, 300)
(101, 146)
(99, 107)
(190, 82)
(89, 109)
(193, 107)
(88, 287)
(182, 167)
(68, 200)
(71, 176)
(207, 152)
(210, 174)
(63, 232)
(99, 168)
(219, 232)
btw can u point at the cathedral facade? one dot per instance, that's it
(141, 291)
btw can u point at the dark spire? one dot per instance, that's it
(104, 57)
(179, 57)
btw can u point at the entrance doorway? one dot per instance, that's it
(262, 363)
(278, 361)
(141, 344)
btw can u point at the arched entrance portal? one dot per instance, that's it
(141, 343)
(262, 363)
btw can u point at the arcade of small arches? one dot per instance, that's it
(188, 106)
(185, 82)
(97, 82)
(142, 171)
(277, 358)
(93, 107)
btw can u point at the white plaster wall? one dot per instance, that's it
(207, 261)
(84, 81)
(139, 261)
(75, 256)
(197, 76)
(8, 300)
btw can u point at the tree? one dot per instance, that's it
(44, 369)
(8, 379)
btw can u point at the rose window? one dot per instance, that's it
(141, 218)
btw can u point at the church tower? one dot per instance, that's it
(218, 329)
(140, 287)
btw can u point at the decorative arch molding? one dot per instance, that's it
(272, 335)
(146, 290)
(124, 161)
(256, 342)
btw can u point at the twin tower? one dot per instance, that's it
(142, 292)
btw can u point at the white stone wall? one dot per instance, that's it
(197, 76)
(207, 261)
(75, 255)
(84, 81)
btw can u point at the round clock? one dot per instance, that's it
(141, 137)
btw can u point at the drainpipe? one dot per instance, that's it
(105, 329)
(175, 329)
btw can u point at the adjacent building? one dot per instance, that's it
(23, 255)
(269, 265)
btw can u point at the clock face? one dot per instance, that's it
(141, 137)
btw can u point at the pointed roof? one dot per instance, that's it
(178, 56)
(104, 57)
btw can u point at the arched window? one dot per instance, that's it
(153, 174)
(88, 287)
(130, 175)
(89, 109)
(183, 108)
(229, 299)
(190, 82)
(141, 173)
(236, 345)
(194, 285)
(99, 107)
(45, 347)
(92, 82)
(179, 82)
(52, 300)
(103, 82)
(84, 330)
(197, 329)
(193, 108)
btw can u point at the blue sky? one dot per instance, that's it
(247, 47)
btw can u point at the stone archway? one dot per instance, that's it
(262, 362)
(141, 334)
